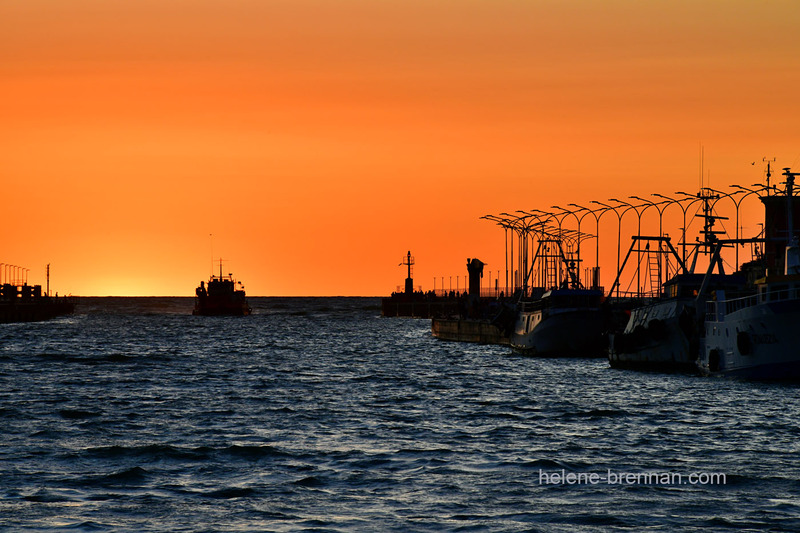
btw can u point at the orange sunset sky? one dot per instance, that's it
(319, 140)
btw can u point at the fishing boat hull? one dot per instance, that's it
(575, 333)
(753, 339)
(562, 323)
(658, 337)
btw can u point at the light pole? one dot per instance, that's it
(747, 192)
(545, 236)
(651, 203)
(683, 229)
(660, 210)
(578, 235)
(597, 217)
(505, 225)
(578, 220)
(517, 226)
(619, 229)
(529, 229)
(695, 198)
(511, 223)
(564, 214)
(520, 225)
(639, 214)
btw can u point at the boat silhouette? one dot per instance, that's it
(221, 297)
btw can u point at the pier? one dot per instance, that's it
(20, 302)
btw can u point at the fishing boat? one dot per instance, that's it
(756, 336)
(665, 331)
(566, 319)
(221, 297)
(567, 322)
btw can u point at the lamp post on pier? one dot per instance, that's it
(547, 233)
(503, 223)
(683, 229)
(747, 192)
(619, 228)
(526, 229)
(519, 225)
(578, 236)
(564, 214)
(635, 208)
(516, 224)
(597, 217)
(660, 210)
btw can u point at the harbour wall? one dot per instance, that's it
(467, 330)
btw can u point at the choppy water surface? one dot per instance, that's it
(319, 415)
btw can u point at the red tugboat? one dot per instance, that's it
(220, 297)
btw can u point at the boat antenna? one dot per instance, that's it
(769, 174)
(789, 191)
(702, 149)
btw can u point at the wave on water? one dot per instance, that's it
(318, 414)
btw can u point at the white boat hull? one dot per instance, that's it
(758, 342)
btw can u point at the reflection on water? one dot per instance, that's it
(316, 413)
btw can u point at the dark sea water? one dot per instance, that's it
(316, 414)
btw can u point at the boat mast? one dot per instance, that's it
(789, 190)
(769, 173)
